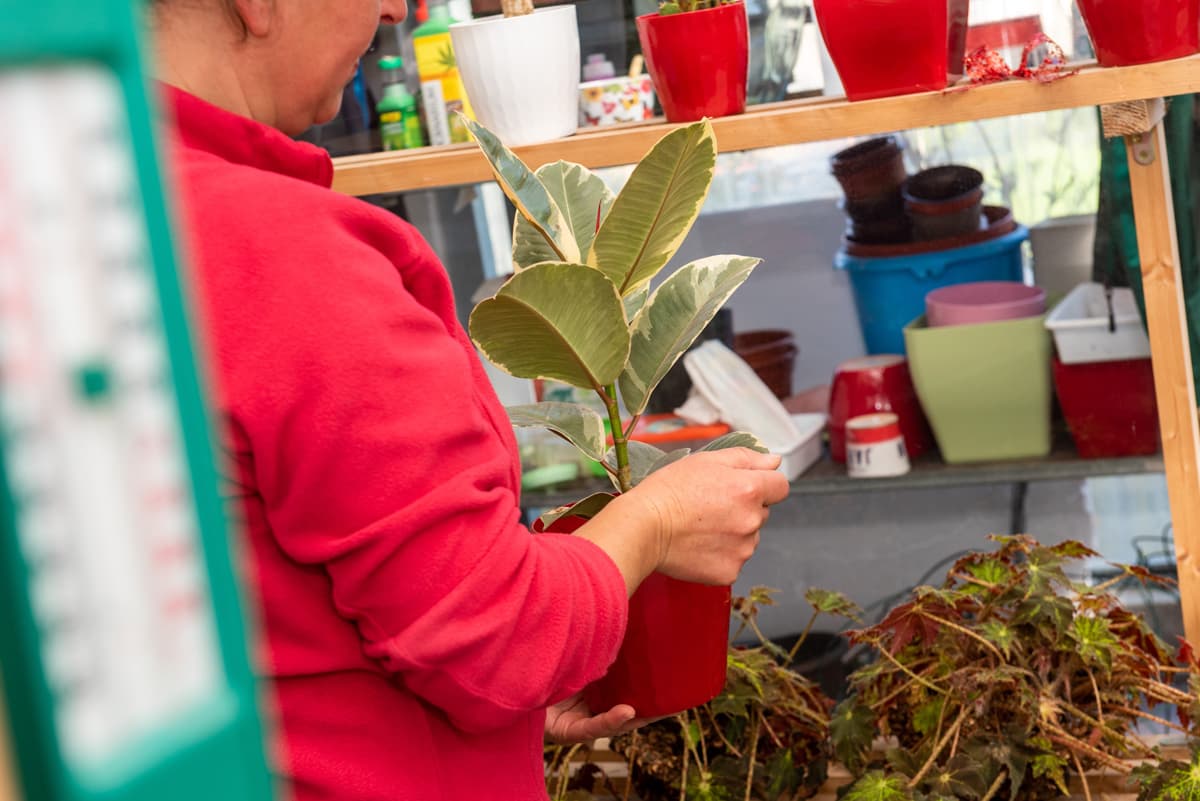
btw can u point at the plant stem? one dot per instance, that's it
(684, 757)
(620, 443)
(995, 788)
(1087, 793)
(561, 790)
(753, 754)
(919, 679)
(937, 749)
(733, 749)
(1153, 718)
(633, 750)
(803, 637)
(1058, 735)
(964, 630)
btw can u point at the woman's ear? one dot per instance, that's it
(256, 16)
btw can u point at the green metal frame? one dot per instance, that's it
(217, 751)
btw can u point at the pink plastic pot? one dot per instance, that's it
(893, 47)
(698, 60)
(1139, 31)
(983, 302)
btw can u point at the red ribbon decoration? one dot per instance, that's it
(985, 65)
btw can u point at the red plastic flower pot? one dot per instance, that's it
(1139, 31)
(698, 60)
(675, 646)
(1109, 407)
(893, 47)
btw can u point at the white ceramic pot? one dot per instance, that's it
(522, 73)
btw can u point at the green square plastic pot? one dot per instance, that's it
(986, 388)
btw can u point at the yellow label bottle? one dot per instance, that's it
(442, 89)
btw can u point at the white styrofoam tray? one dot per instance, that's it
(740, 398)
(1080, 326)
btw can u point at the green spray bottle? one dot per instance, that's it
(399, 123)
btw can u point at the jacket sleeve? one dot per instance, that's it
(378, 461)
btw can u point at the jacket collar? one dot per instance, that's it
(241, 140)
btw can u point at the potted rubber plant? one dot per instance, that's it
(578, 309)
(521, 70)
(697, 53)
(1008, 681)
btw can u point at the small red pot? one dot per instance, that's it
(673, 656)
(876, 384)
(1139, 31)
(893, 47)
(1109, 407)
(698, 61)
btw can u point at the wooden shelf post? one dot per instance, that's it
(1166, 318)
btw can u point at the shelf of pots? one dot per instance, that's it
(828, 477)
(1132, 106)
(768, 125)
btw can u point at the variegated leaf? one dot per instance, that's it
(554, 320)
(672, 319)
(532, 199)
(635, 300)
(642, 459)
(589, 507)
(736, 439)
(582, 197)
(580, 424)
(670, 457)
(656, 208)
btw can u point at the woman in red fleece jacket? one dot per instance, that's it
(420, 642)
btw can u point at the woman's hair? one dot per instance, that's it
(230, 11)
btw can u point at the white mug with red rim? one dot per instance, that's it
(875, 446)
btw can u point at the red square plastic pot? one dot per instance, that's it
(674, 653)
(1139, 31)
(1109, 407)
(893, 47)
(698, 60)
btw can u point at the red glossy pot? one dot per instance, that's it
(893, 47)
(876, 384)
(673, 656)
(697, 60)
(1139, 31)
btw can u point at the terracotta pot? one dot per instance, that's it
(893, 47)
(673, 656)
(870, 171)
(944, 202)
(698, 61)
(771, 353)
(1139, 31)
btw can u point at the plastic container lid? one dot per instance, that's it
(391, 63)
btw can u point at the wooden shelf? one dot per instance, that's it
(929, 472)
(792, 122)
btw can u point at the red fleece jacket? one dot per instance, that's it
(414, 630)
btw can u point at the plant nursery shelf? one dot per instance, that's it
(792, 122)
(827, 477)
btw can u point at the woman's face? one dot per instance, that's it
(318, 45)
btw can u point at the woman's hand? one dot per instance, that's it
(570, 721)
(709, 507)
(696, 519)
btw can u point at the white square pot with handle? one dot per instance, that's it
(522, 73)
